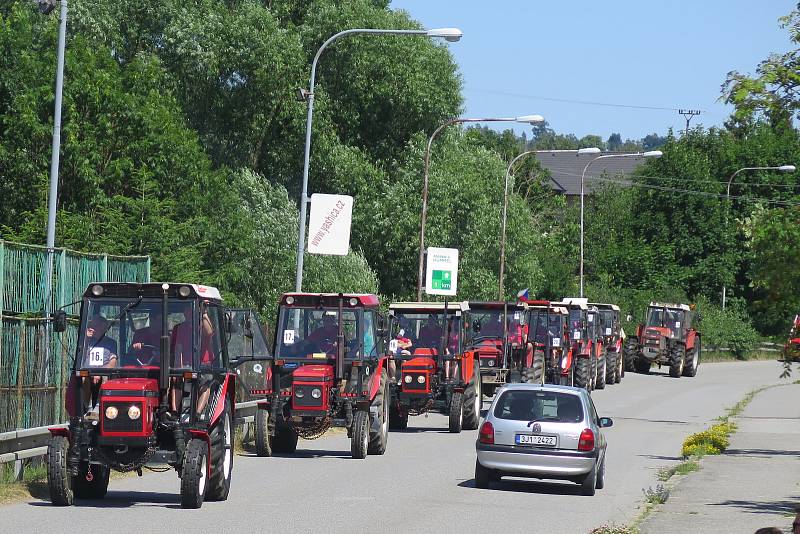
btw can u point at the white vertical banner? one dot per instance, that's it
(442, 271)
(329, 225)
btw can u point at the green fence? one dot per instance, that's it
(32, 379)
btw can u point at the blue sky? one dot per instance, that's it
(668, 54)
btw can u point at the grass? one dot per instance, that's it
(33, 484)
(683, 468)
(727, 356)
(657, 495)
(615, 529)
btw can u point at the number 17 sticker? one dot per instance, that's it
(288, 337)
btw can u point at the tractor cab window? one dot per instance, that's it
(417, 330)
(542, 326)
(126, 333)
(608, 322)
(655, 317)
(211, 356)
(313, 333)
(370, 336)
(674, 320)
(489, 324)
(577, 330)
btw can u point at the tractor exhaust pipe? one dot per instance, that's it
(166, 357)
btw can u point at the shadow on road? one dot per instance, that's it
(125, 499)
(761, 507)
(528, 486)
(666, 421)
(760, 453)
(306, 453)
(422, 430)
(659, 457)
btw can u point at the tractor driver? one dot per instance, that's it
(430, 335)
(101, 352)
(145, 347)
(324, 337)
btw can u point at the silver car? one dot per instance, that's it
(542, 431)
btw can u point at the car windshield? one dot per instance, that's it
(126, 333)
(538, 405)
(312, 333)
(490, 323)
(418, 330)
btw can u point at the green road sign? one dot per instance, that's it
(442, 279)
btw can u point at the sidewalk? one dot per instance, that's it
(754, 484)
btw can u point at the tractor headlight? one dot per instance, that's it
(112, 412)
(299, 393)
(316, 393)
(134, 412)
(408, 379)
(421, 379)
(491, 362)
(564, 362)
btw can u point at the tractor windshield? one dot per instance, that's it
(576, 325)
(608, 322)
(544, 324)
(417, 330)
(313, 333)
(655, 317)
(126, 334)
(489, 324)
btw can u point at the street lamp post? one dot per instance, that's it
(648, 154)
(781, 168)
(525, 119)
(449, 34)
(578, 152)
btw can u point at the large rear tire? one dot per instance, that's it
(677, 358)
(473, 401)
(397, 420)
(91, 489)
(602, 369)
(379, 439)
(693, 359)
(359, 442)
(59, 476)
(456, 421)
(582, 369)
(611, 367)
(285, 440)
(219, 482)
(263, 439)
(642, 365)
(630, 353)
(194, 477)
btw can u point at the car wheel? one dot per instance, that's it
(589, 482)
(482, 476)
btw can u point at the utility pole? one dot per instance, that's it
(688, 114)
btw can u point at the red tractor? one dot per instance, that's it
(432, 371)
(548, 334)
(666, 338)
(791, 351)
(329, 370)
(498, 336)
(150, 385)
(587, 344)
(611, 333)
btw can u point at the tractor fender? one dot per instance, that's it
(202, 434)
(60, 431)
(690, 339)
(375, 379)
(228, 390)
(565, 370)
(467, 364)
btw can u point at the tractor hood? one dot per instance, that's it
(130, 387)
(657, 331)
(313, 373)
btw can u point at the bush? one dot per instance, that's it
(711, 441)
(730, 328)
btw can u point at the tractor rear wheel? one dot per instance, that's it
(677, 357)
(642, 365)
(359, 442)
(567, 379)
(194, 478)
(219, 483)
(693, 359)
(285, 440)
(378, 440)
(397, 420)
(630, 353)
(611, 367)
(59, 475)
(602, 368)
(473, 401)
(263, 439)
(91, 489)
(456, 412)
(582, 368)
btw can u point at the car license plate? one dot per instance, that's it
(529, 439)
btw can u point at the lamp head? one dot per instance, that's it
(530, 119)
(588, 150)
(653, 154)
(787, 168)
(450, 34)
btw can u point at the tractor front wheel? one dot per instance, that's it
(582, 369)
(59, 476)
(219, 483)
(378, 440)
(97, 487)
(359, 442)
(263, 439)
(194, 478)
(642, 365)
(677, 357)
(600, 381)
(456, 412)
(630, 353)
(611, 367)
(473, 401)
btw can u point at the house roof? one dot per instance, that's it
(566, 168)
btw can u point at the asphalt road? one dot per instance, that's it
(424, 481)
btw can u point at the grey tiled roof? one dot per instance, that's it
(565, 170)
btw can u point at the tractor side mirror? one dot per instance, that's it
(698, 317)
(476, 326)
(629, 317)
(59, 321)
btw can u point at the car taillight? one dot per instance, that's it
(486, 435)
(586, 441)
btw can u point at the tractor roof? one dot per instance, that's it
(605, 306)
(555, 307)
(683, 307)
(495, 305)
(151, 290)
(574, 303)
(430, 306)
(366, 300)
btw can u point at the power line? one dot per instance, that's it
(684, 179)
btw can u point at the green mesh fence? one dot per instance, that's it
(33, 379)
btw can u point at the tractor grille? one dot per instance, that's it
(307, 401)
(414, 385)
(122, 423)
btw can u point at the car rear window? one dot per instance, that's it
(533, 405)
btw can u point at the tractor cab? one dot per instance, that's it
(549, 334)
(667, 337)
(150, 385)
(329, 369)
(791, 350)
(612, 339)
(498, 334)
(583, 334)
(433, 369)
(670, 320)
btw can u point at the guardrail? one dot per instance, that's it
(18, 446)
